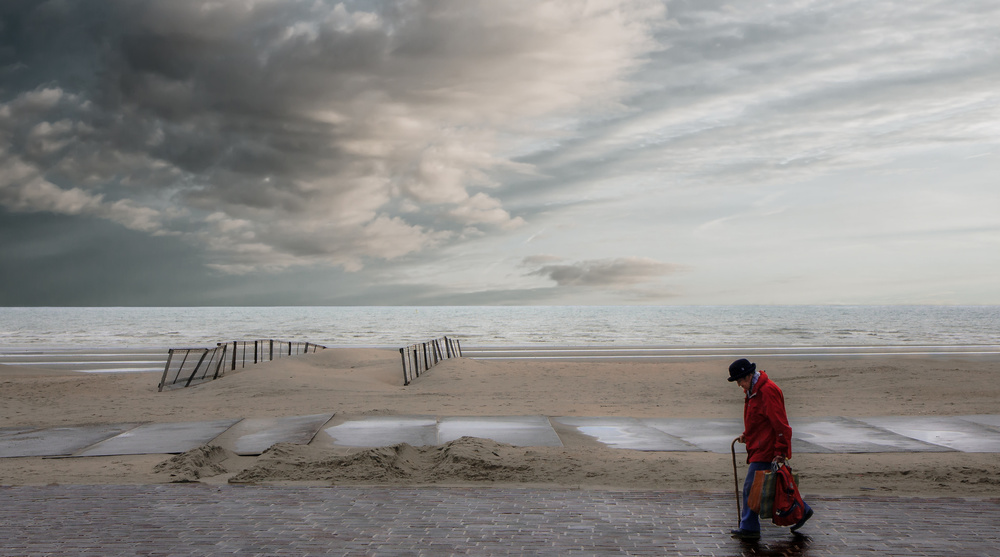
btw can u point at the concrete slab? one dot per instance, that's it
(948, 431)
(708, 434)
(520, 431)
(56, 441)
(627, 433)
(716, 435)
(988, 420)
(253, 436)
(169, 438)
(383, 431)
(844, 435)
(6, 431)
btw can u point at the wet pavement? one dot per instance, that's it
(234, 520)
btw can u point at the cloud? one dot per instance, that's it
(619, 272)
(750, 96)
(441, 143)
(284, 133)
(539, 259)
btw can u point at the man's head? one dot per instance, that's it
(741, 371)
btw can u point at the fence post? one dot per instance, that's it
(187, 352)
(234, 356)
(423, 357)
(198, 365)
(222, 359)
(163, 380)
(406, 380)
(270, 353)
(255, 351)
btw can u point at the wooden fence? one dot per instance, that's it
(418, 358)
(191, 366)
(256, 351)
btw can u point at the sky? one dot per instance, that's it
(474, 152)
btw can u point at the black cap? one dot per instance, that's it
(741, 368)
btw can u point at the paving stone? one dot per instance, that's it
(200, 520)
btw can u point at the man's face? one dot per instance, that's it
(744, 382)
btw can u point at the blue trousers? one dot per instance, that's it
(749, 519)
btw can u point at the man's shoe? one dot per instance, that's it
(748, 535)
(802, 522)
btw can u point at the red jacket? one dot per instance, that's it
(765, 425)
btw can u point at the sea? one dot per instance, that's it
(46, 330)
(378, 326)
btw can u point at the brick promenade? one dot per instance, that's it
(197, 519)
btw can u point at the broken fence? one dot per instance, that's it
(190, 366)
(418, 358)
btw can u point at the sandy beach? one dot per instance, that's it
(362, 382)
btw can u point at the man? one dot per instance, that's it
(767, 435)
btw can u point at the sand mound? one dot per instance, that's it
(467, 459)
(202, 462)
(463, 461)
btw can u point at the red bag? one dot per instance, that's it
(788, 505)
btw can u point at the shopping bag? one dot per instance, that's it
(760, 477)
(762, 491)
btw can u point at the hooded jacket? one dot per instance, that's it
(765, 425)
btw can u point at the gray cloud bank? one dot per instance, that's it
(284, 133)
(623, 271)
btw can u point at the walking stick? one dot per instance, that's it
(736, 481)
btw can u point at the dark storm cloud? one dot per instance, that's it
(285, 133)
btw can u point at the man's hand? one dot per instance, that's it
(778, 461)
(741, 439)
